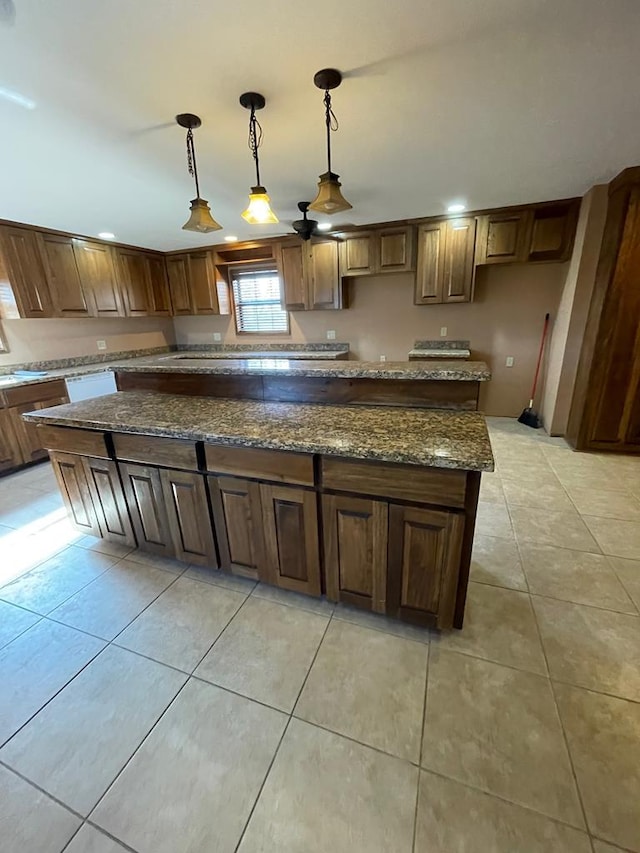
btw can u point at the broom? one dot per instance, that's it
(529, 416)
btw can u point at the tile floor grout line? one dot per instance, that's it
(313, 660)
(110, 835)
(424, 719)
(584, 604)
(564, 733)
(35, 785)
(476, 656)
(233, 616)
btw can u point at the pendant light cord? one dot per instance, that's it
(255, 141)
(191, 160)
(332, 124)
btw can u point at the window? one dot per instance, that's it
(257, 298)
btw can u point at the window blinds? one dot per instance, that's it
(257, 297)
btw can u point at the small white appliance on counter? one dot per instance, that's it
(93, 385)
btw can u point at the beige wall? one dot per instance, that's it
(41, 340)
(566, 342)
(505, 319)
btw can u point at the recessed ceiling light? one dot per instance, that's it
(324, 226)
(457, 207)
(17, 98)
(106, 235)
(231, 238)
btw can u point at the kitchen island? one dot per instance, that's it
(370, 505)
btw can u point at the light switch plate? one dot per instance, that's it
(443, 331)
(217, 336)
(509, 361)
(383, 358)
(331, 335)
(101, 345)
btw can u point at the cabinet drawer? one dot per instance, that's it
(151, 450)
(86, 442)
(402, 482)
(276, 465)
(36, 393)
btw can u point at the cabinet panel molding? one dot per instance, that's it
(72, 481)
(237, 513)
(395, 249)
(98, 275)
(109, 501)
(70, 297)
(27, 273)
(189, 518)
(145, 499)
(430, 271)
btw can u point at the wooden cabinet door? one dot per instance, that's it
(237, 513)
(159, 299)
(458, 260)
(72, 482)
(358, 253)
(108, 501)
(27, 435)
(145, 500)
(503, 237)
(132, 273)
(424, 559)
(355, 550)
(551, 233)
(323, 275)
(10, 452)
(26, 272)
(395, 249)
(98, 275)
(189, 518)
(70, 297)
(179, 285)
(290, 520)
(292, 275)
(202, 283)
(430, 264)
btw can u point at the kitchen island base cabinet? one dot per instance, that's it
(145, 499)
(109, 501)
(189, 517)
(74, 488)
(237, 512)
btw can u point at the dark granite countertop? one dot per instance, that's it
(462, 371)
(427, 437)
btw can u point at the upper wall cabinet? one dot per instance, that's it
(445, 261)
(98, 275)
(159, 299)
(70, 297)
(143, 281)
(193, 284)
(541, 233)
(310, 274)
(382, 250)
(26, 272)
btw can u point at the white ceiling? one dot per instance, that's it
(495, 102)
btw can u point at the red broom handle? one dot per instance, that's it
(535, 378)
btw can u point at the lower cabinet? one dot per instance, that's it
(290, 524)
(187, 509)
(237, 513)
(424, 556)
(355, 534)
(145, 499)
(108, 501)
(74, 487)
(10, 454)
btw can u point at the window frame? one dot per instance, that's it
(248, 269)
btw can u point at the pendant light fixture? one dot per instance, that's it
(329, 199)
(200, 219)
(259, 211)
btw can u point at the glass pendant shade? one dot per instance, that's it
(329, 199)
(201, 219)
(259, 211)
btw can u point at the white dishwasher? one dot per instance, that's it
(93, 385)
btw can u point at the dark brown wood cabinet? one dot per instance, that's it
(543, 232)
(72, 482)
(179, 284)
(193, 283)
(605, 409)
(189, 517)
(70, 297)
(26, 272)
(290, 519)
(552, 231)
(159, 298)
(382, 250)
(109, 501)
(445, 265)
(133, 277)
(21, 441)
(355, 534)
(145, 499)
(503, 238)
(237, 512)
(10, 451)
(310, 274)
(424, 551)
(98, 277)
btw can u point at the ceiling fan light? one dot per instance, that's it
(259, 211)
(201, 219)
(329, 199)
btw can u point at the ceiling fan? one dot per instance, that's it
(7, 12)
(307, 228)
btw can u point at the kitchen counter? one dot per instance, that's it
(425, 437)
(295, 355)
(445, 370)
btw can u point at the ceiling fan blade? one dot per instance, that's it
(7, 12)
(143, 131)
(381, 66)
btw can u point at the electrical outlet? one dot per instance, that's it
(217, 336)
(383, 358)
(102, 344)
(331, 335)
(443, 331)
(509, 361)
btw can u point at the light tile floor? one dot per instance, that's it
(157, 708)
